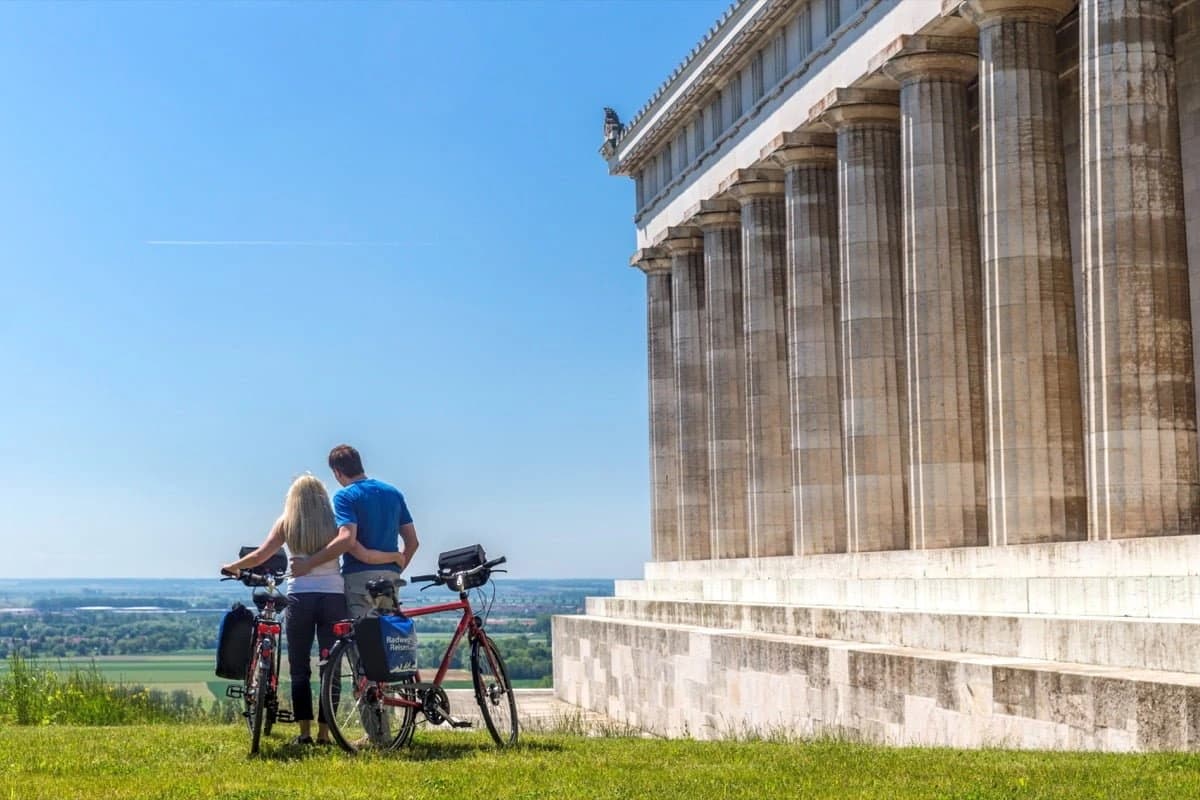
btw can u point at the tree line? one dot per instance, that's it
(97, 633)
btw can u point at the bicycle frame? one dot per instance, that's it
(264, 628)
(468, 624)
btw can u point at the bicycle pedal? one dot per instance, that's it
(283, 715)
(236, 692)
(459, 723)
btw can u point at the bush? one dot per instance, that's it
(31, 694)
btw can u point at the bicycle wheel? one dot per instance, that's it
(260, 682)
(355, 707)
(248, 695)
(493, 691)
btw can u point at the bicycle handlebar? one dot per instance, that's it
(495, 562)
(251, 578)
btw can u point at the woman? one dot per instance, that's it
(316, 600)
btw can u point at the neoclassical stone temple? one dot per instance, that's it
(921, 279)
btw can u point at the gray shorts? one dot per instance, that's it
(358, 602)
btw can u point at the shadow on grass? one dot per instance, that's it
(433, 749)
(445, 749)
(285, 750)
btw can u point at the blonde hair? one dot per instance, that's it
(307, 516)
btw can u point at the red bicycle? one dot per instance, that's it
(260, 689)
(364, 711)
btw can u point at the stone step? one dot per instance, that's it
(1155, 596)
(538, 710)
(1155, 644)
(689, 680)
(1154, 556)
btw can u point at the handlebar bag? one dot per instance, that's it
(387, 645)
(235, 637)
(277, 563)
(460, 560)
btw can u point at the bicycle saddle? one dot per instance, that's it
(262, 598)
(384, 587)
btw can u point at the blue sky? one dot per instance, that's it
(468, 322)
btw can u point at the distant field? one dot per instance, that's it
(193, 672)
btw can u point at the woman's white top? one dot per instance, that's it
(325, 578)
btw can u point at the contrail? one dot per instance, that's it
(273, 243)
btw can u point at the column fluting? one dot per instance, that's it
(720, 221)
(664, 428)
(1187, 89)
(814, 340)
(759, 192)
(686, 249)
(943, 304)
(1140, 393)
(1034, 423)
(867, 122)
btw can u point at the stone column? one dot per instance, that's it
(1187, 70)
(664, 429)
(943, 304)
(720, 222)
(1141, 434)
(867, 122)
(814, 340)
(686, 249)
(759, 192)
(1035, 438)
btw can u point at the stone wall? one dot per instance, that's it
(1082, 645)
(704, 683)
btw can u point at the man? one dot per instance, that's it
(372, 520)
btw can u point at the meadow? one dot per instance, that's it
(80, 736)
(179, 762)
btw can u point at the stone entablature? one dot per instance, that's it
(786, 106)
(751, 28)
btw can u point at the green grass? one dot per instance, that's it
(191, 672)
(208, 761)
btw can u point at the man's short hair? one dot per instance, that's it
(346, 460)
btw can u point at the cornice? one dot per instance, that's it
(651, 260)
(621, 165)
(650, 138)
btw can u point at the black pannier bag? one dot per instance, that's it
(461, 560)
(234, 639)
(387, 646)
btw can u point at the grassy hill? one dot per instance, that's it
(210, 761)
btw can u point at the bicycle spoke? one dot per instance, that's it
(355, 707)
(493, 691)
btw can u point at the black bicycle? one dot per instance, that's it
(260, 690)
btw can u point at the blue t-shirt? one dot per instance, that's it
(379, 511)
